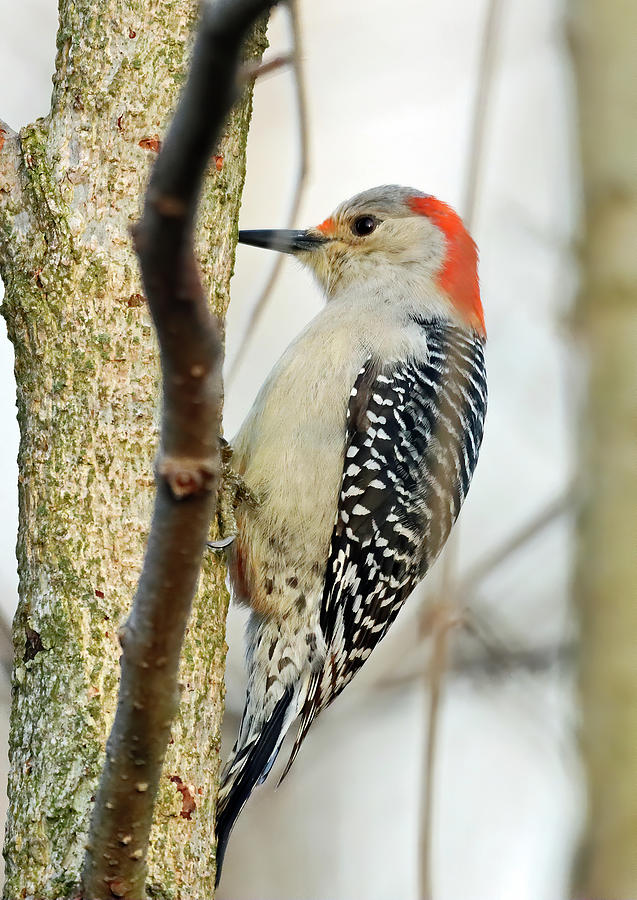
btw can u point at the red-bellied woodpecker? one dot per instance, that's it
(360, 447)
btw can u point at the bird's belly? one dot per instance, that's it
(290, 453)
(295, 469)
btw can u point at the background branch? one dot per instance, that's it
(188, 462)
(481, 570)
(448, 614)
(259, 306)
(479, 116)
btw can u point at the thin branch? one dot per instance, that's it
(260, 304)
(448, 604)
(480, 112)
(496, 659)
(252, 71)
(503, 653)
(528, 532)
(188, 464)
(477, 143)
(444, 620)
(464, 590)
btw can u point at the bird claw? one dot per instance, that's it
(232, 492)
(222, 543)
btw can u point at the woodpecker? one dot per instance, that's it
(360, 446)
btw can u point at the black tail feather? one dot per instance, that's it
(257, 764)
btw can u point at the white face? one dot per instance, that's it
(375, 238)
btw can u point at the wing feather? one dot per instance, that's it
(413, 433)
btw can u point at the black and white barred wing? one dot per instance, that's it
(414, 431)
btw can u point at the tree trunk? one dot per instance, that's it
(606, 65)
(86, 370)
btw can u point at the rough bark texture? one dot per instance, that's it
(606, 64)
(86, 369)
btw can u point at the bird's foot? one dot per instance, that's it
(232, 491)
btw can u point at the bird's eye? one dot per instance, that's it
(364, 225)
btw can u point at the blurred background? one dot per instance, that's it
(408, 96)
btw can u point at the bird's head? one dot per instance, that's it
(389, 237)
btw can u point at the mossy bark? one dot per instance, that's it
(87, 372)
(606, 584)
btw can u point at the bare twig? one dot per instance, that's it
(252, 71)
(188, 463)
(260, 304)
(499, 655)
(445, 619)
(465, 589)
(528, 532)
(477, 142)
(480, 112)
(503, 653)
(449, 613)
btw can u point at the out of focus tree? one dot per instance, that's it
(86, 369)
(606, 581)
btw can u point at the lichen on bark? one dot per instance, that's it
(87, 375)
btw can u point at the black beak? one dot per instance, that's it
(283, 240)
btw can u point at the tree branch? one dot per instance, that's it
(188, 464)
(252, 71)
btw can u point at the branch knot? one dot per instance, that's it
(187, 476)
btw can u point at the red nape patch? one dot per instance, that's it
(327, 227)
(459, 275)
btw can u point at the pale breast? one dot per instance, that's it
(290, 452)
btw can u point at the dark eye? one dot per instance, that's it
(364, 225)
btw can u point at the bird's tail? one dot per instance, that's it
(249, 765)
(278, 675)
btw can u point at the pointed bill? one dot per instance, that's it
(284, 240)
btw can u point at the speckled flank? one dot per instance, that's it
(86, 367)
